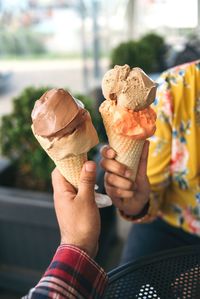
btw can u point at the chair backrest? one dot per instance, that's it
(171, 274)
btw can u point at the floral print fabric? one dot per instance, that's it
(174, 156)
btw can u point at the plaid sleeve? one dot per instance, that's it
(71, 274)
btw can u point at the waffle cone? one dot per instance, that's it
(69, 152)
(128, 150)
(70, 167)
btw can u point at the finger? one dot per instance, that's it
(119, 182)
(119, 202)
(87, 181)
(114, 192)
(115, 167)
(59, 183)
(142, 170)
(107, 152)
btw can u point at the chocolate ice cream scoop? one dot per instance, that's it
(57, 113)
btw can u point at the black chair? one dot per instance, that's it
(172, 274)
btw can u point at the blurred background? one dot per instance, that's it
(69, 44)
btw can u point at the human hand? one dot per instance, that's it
(77, 213)
(128, 196)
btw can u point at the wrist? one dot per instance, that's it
(138, 216)
(90, 251)
(134, 207)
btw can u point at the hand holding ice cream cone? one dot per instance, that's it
(71, 205)
(128, 196)
(129, 121)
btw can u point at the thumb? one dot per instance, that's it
(87, 181)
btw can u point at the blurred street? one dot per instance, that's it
(56, 73)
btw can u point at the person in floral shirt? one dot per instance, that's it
(173, 170)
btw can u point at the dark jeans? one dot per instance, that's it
(145, 239)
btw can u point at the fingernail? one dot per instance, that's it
(110, 153)
(90, 167)
(128, 173)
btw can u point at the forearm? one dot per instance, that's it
(71, 274)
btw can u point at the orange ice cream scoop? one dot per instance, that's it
(128, 123)
(136, 125)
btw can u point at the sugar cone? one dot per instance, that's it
(70, 152)
(71, 166)
(128, 150)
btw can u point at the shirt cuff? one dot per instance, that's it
(80, 275)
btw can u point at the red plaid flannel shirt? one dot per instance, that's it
(71, 274)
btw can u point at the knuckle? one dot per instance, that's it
(119, 192)
(87, 180)
(110, 191)
(107, 187)
(121, 168)
(110, 178)
(129, 185)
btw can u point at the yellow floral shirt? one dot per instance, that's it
(174, 157)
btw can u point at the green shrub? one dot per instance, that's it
(147, 53)
(158, 47)
(125, 53)
(32, 164)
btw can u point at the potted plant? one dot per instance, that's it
(147, 53)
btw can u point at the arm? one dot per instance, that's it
(72, 272)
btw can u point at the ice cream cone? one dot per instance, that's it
(71, 167)
(128, 118)
(128, 150)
